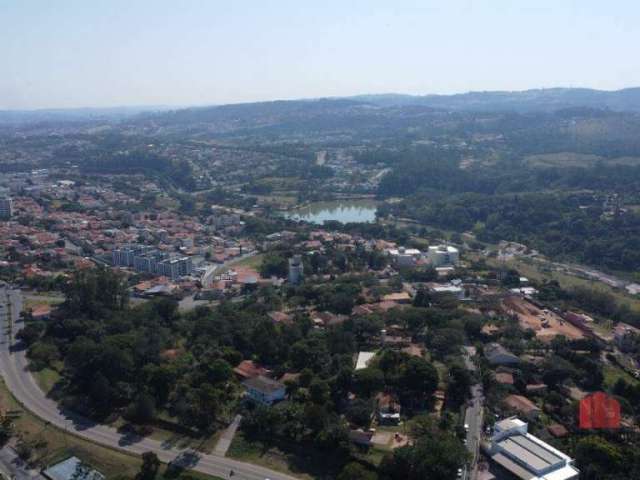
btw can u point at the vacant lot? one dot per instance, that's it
(546, 324)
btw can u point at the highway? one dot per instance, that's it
(13, 367)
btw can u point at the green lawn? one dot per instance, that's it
(613, 372)
(46, 378)
(297, 460)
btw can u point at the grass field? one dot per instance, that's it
(46, 378)
(613, 372)
(297, 460)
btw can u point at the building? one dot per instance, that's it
(264, 390)
(6, 208)
(441, 255)
(363, 359)
(72, 469)
(626, 336)
(296, 270)
(526, 456)
(388, 408)
(522, 405)
(148, 259)
(496, 354)
(404, 257)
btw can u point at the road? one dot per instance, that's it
(13, 367)
(473, 417)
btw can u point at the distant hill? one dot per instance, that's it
(550, 99)
(22, 117)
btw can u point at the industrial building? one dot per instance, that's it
(526, 456)
(150, 260)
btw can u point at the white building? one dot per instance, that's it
(404, 257)
(527, 457)
(439, 255)
(6, 208)
(363, 359)
(264, 390)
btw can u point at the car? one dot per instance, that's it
(459, 473)
(466, 427)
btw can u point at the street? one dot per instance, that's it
(13, 366)
(473, 418)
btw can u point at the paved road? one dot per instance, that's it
(13, 367)
(473, 417)
(12, 466)
(227, 437)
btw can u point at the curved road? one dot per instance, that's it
(13, 366)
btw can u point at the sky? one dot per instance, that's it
(92, 53)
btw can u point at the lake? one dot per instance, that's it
(344, 211)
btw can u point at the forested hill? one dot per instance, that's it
(538, 100)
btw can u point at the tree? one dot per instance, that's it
(359, 412)
(595, 457)
(418, 378)
(150, 466)
(355, 471)
(436, 457)
(459, 384)
(368, 380)
(143, 410)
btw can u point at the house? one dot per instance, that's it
(41, 312)
(388, 408)
(526, 456)
(264, 390)
(249, 369)
(557, 430)
(496, 354)
(363, 359)
(504, 378)
(625, 336)
(281, 317)
(399, 298)
(536, 388)
(360, 437)
(522, 405)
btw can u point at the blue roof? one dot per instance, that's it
(72, 469)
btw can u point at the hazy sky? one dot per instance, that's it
(73, 53)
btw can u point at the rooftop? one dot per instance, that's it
(263, 384)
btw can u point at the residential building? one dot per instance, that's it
(150, 260)
(404, 257)
(526, 456)
(441, 255)
(523, 406)
(496, 354)
(388, 408)
(626, 336)
(363, 359)
(296, 270)
(6, 208)
(264, 390)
